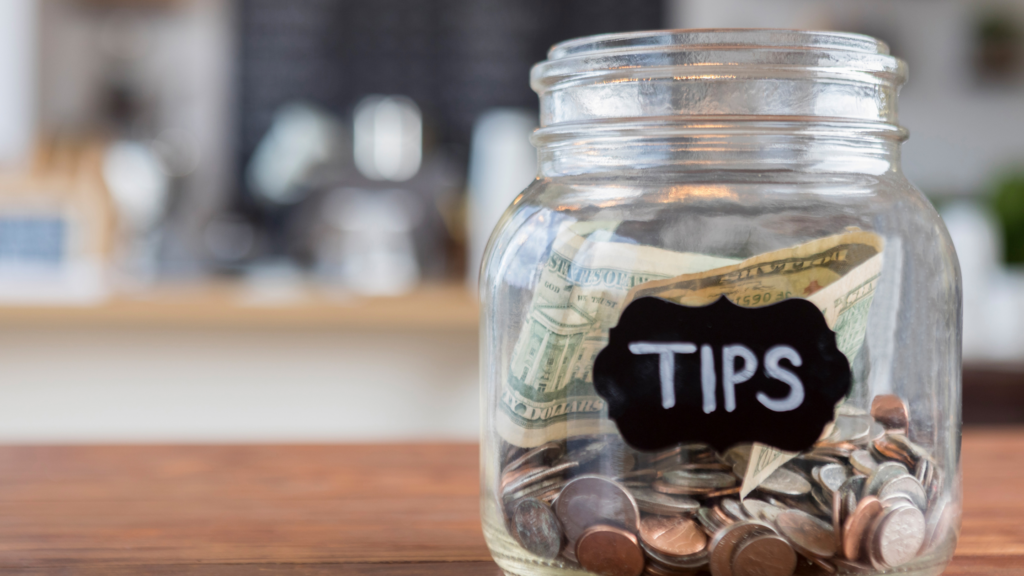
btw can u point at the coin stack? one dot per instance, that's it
(864, 498)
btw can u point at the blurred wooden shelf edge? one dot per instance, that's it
(993, 393)
(447, 306)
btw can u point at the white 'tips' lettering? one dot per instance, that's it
(773, 370)
(730, 378)
(666, 352)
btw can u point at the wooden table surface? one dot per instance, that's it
(312, 510)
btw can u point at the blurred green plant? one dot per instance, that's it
(1008, 206)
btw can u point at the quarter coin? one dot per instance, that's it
(810, 536)
(907, 486)
(537, 529)
(898, 536)
(590, 500)
(610, 551)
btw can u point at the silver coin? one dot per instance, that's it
(898, 536)
(584, 454)
(862, 461)
(809, 535)
(733, 509)
(851, 492)
(711, 522)
(654, 502)
(785, 482)
(537, 529)
(590, 500)
(886, 471)
(761, 510)
(725, 542)
(534, 490)
(906, 486)
(543, 453)
(850, 428)
(699, 479)
(823, 498)
(535, 477)
(831, 476)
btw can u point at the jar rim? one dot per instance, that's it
(720, 38)
(719, 72)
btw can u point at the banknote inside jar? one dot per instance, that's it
(864, 498)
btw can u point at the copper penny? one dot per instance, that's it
(856, 527)
(810, 536)
(890, 411)
(764, 555)
(672, 536)
(610, 551)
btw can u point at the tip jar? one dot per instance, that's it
(720, 332)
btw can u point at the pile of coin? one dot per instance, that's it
(864, 498)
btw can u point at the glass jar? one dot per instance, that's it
(721, 330)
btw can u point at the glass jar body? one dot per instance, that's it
(708, 201)
(911, 338)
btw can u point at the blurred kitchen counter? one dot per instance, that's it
(239, 304)
(242, 362)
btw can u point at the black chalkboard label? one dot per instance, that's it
(721, 374)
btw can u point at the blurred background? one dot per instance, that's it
(261, 221)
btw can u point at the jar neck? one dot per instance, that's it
(672, 145)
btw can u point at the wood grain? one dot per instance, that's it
(387, 510)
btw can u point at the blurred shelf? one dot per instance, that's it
(431, 307)
(993, 393)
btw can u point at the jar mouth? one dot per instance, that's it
(728, 72)
(697, 39)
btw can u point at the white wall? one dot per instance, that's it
(17, 80)
(962, 135)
